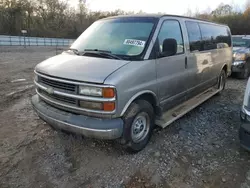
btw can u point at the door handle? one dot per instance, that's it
(186, 64)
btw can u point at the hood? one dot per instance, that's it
(241, 50)
(80, 68)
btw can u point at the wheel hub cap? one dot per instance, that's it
(140, 127)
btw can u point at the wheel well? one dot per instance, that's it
(225, 68)
(151, 99)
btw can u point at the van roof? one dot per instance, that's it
(159, 16)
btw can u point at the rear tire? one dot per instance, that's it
(222, 81)
(138, 126)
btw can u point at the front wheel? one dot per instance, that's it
(138, 125)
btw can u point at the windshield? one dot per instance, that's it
(120, 36)
(241, 41)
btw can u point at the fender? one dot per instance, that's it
(228, 69)
(136, 96)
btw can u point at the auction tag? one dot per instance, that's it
(134, 42)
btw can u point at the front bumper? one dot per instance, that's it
(107, 129)
(238, 66)
(244, 132)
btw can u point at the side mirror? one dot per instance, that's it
(169, 48)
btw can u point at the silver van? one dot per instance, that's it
(126, 74)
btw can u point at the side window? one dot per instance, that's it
(214, 36)
(223, 38)
(171, 30)
(194, 36)
(209, 35)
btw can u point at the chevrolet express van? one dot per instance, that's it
(126, 74)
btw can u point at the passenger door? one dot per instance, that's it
(197, 61)
(216, 44)
(172, 76)
(209, 50)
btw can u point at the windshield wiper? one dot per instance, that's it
(102, 52)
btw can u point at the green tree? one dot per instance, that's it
(223, 10)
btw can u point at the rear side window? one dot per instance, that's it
(214, 37)
(171, 30)
(194, 36)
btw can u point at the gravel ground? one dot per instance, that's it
(199, 150)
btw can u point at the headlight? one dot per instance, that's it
(238, 62)
(239, 57)
(90, 91)
(97, 91)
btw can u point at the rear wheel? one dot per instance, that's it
(138, 125)
(222, 81)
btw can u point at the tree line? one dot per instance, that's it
(56, 18)
(47, 18)
(238, 21)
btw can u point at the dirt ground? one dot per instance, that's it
(199, 150)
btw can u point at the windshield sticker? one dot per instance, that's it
(134, 42)
(246, 37)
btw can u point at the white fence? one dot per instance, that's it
(6, 40)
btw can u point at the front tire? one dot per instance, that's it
(138, 125)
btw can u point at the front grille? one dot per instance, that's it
(65, 87)
(58, 98)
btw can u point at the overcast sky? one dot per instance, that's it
(154, 6)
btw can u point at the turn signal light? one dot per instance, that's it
(109, 106)
(108, 92)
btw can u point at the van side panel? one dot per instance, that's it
(217, 45)
(209, 55)
(195, 59)
(224, 57)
